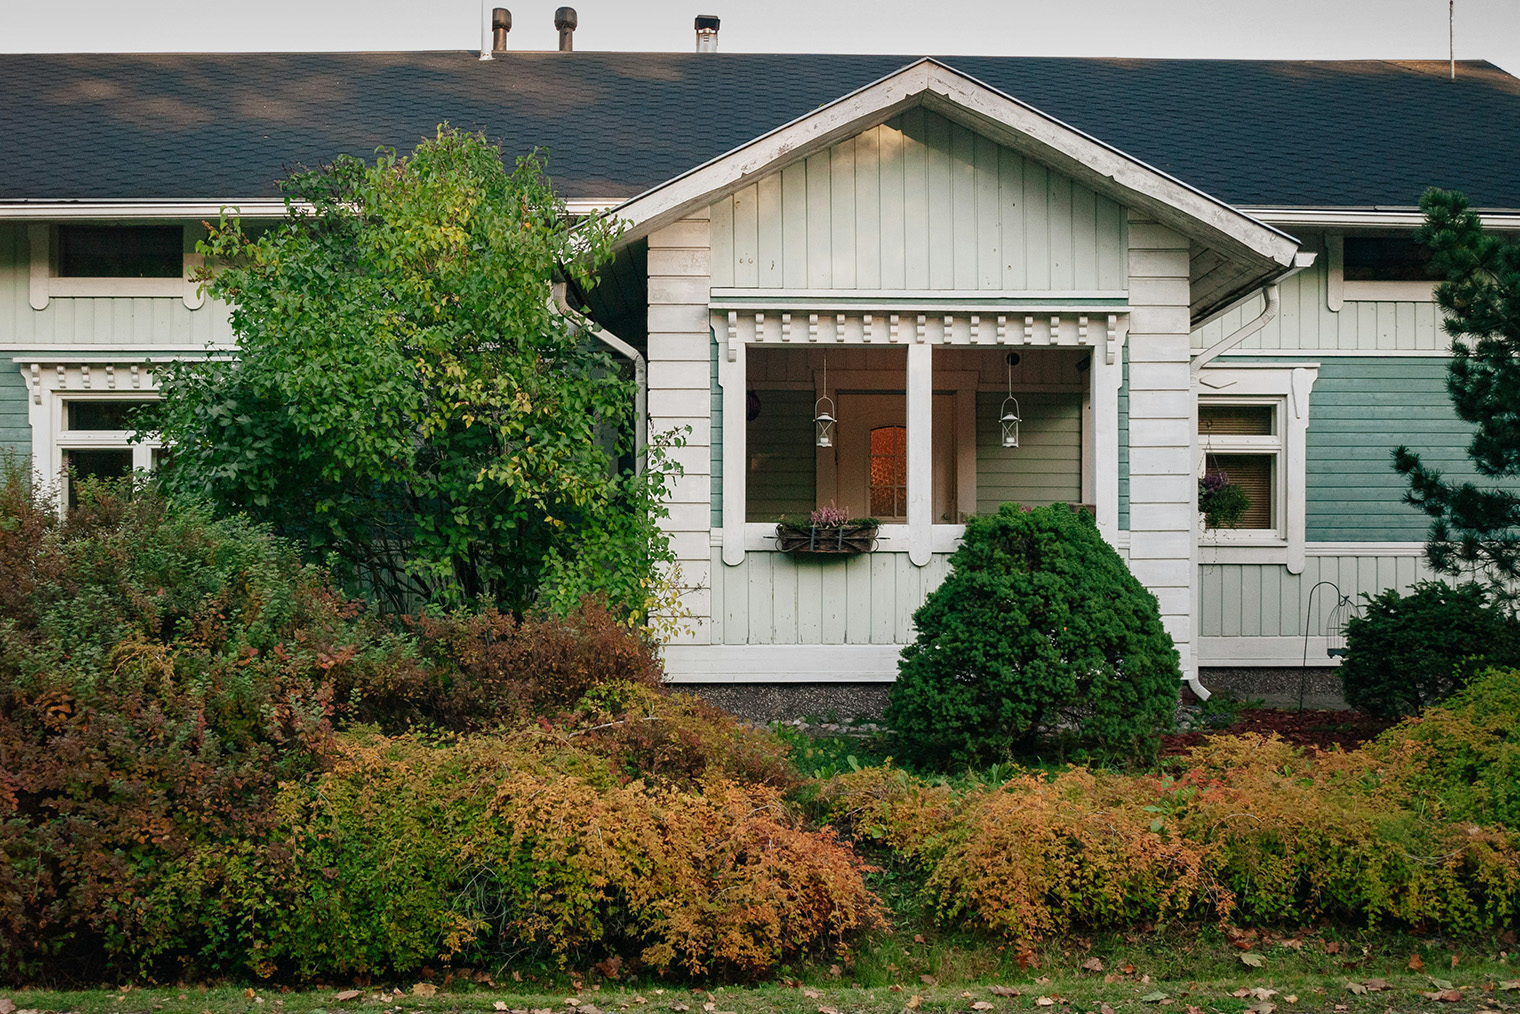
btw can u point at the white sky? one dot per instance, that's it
(1279, 29)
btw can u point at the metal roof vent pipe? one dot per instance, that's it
(565, 20)
(501, 24)
(707, 33)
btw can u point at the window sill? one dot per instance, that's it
(761, 537)
(1388, 292)
(1240, 547)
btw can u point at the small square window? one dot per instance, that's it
(1386, 259)
(120, 251)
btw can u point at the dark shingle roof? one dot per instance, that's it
(1254, 133)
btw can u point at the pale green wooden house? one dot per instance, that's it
(1158, 267)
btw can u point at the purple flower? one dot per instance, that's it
(829, 517)
(1214, 480)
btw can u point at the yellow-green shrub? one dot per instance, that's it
(410, 851)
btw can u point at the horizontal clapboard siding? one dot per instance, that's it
(918, 203)
(1252, 600)
(96, 321)
(1045, 468)
(1306, 322)
(782, 456)
(778, 598)
(15, 428)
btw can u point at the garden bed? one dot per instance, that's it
(1310, 729)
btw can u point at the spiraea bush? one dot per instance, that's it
(1039, 630)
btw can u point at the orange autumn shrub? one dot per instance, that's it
(412, 852)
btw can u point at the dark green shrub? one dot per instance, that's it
(1040, 628)
(1406, 652)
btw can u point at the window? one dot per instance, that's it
(1390, 267)
(111, 260)
(1242, 445)
(1253, 423)
(96, 440)
(120, 251)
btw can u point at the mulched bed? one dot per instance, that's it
(1315, 730)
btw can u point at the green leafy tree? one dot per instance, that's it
(404, 401)
(1475, 529)
(1039, 630)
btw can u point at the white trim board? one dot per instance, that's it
(1260, 652)
(781, 663)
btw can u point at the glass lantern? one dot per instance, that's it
(823, 422)
(1009, 420)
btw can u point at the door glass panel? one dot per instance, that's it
(889, 472)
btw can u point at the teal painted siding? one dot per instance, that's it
(783, 461)
(1123, 442)
(15, 429)
(1045, 468)
(715, 451)
(918, 203)
(1359, 410)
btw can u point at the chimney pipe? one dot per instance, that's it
(707, 33)
(565, 20)
(501, 24)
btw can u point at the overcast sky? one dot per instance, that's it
(1279, 29)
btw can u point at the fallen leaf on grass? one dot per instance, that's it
(1331, 947)
(1262, 1007)
(1105, 1009)
(1128, 969)
(1291, 998)
(1416, 963)
(1510, 984)
(835, 971)
(1093, 965)
(928, 980)
(7, 1005)
(981, 1005)
(1261, 993)
(1356, 987)
(1044, 1001)
(1454, 960)
(680, 1006)
(1043, 980)
(424, 989)
(894, 988)
(1445, 995)
(1253, 959)
(1004, 991)
(1441, 984)
(349, 994)
(811, 994)
(248, 993)
(1377, 985)
(1155, 997)
(827, 1010)
(915, 1002)
(918, 938)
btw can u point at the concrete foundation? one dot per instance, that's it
(1278, 688)
(776, 702)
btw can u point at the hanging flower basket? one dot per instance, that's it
(829, 530)
(847, 539)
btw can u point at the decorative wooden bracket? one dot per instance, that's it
(731, 344)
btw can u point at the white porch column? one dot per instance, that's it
(680, 397)
(1163, 431)
(1106, 379)
(731, 378)
(920, 452)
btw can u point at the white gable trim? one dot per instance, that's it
(1000, 117)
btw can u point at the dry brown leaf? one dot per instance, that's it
(1262, 1007)
(1253, 959)
(1377, 985)
(835, 971)
(1043, 980)
(1111, 977)
(827, 1010)
(1004, 991)
(1261, 993)
(1356, 987)
(1241, 993)
(248, 993)
(1044, 1001)
(1194, 1010)
(639, 1000)
(1416, 963)
(966, 994)
(1291, 998)
(1093, 964)
(1455, 959)
(1331, 947)
(424, 989)
(1292, 942)
(1510, 984)
(1128, 969)
(1445, 995)
(811, 994)
(7, 1005)
(981, 1005)
(1145, 980)
(928, 980)
(710, 1005)
(915, 1002)
(894, 988)
(349, 994)
(1105, 1009)
(680, 1006)
(918, 938)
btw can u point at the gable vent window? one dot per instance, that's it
(1387, 259)
(112, 251)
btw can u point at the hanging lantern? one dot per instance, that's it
(1010, 421)
(1008, 418)
(823, 418)
(823, 422)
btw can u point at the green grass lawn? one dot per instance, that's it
(1168, 969)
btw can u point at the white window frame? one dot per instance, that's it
(1287, 387)
(1339, 291)
(46, 283)
(51, 386)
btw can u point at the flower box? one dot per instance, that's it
(840, 540)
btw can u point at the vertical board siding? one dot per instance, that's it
(1124, 441)
(97, 321)
(1264, 600)
(918, 202)
(1045, 468)
(1305, 321)
(782, 456)
(715, 448)
(777, 598)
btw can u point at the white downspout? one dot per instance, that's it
(622, 348)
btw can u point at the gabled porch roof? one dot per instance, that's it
(1239, 253)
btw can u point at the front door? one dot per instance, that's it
(871, 457)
